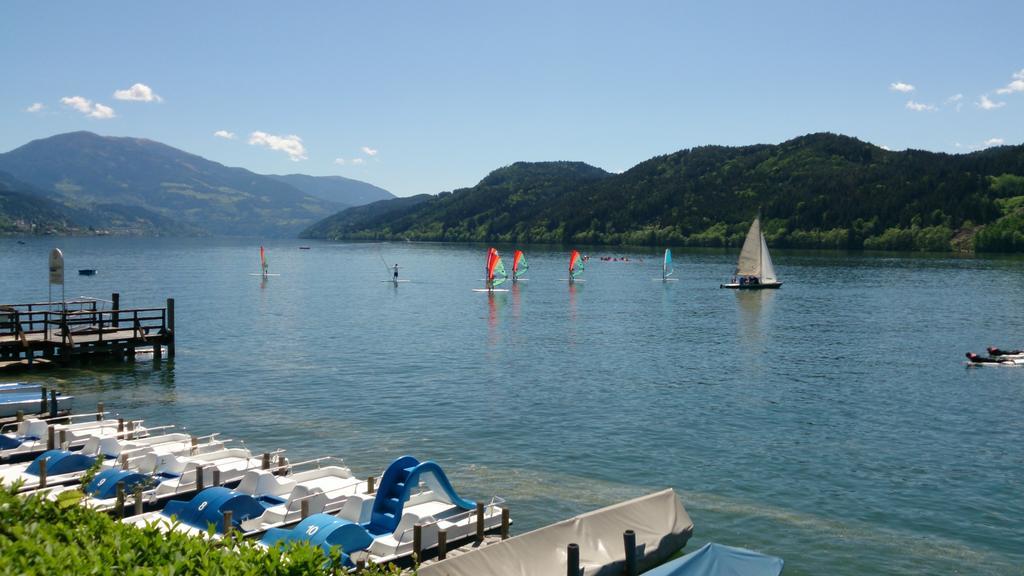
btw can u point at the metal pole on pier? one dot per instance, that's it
(572, 560)
(629, 541)
(170, 327)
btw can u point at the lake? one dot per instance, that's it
(831, 422)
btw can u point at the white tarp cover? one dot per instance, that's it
(661, 524)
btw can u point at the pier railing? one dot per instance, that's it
(83, 326)
(63, 327)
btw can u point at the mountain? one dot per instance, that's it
(500, 206)
(819, 190)
(86, 171)
(337, 189)
(25, 209)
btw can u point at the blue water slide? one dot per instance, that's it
(60, 462)
(104, 484)
(208, 507)
(398, 481)
(325, 531)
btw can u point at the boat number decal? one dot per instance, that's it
(202, 506)
(312, 530)
(100, 483)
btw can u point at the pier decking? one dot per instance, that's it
(64, 333)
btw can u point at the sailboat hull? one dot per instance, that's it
(764, 286)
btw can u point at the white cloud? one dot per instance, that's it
(290, 145)
(1017, 85)
(138, 93)
(35, 107)
(358, 161)
(369, 151)
(87, 107)
(224, 134)
(956, 100)
(993, 142)
(919, 107)
(986, 104)
(339, 161)
(901, 87)
(886, 148)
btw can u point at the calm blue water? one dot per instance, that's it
(832, 422)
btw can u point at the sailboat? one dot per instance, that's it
(519, 266)
(575, 266)
(754, 270)
(666, 267)
(494, 273)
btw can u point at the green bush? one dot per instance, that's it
(38, 536)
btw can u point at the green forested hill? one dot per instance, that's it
(820, 190)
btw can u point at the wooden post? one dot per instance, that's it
(20, 416)
(216, 476)
(120, 426)
(63, 439)
(629, 541)
(138, 499)
(42, 401)
(442, 544)
(573, 560)
(195, 444)
(49, 437)
(119, 503)
(266, 461)
(304, 508)
(360, 566)
(99, 411)
(282, 465)
(505, 521)
(479, 521)
(115, 305)
(227, 522)
(124, 461)
(417, 543)
(369, 485)
(199, 478)
(170, 327)
(42, 472)
(53, 403)
(131, 430)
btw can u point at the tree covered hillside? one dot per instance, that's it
(820, 190)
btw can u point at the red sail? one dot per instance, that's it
(492, 261)
(516, 257)
(574, 258)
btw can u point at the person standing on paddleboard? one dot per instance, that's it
(396, 273)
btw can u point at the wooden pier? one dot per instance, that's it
(66, 333)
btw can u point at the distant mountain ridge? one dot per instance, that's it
(815, 191)
(142, 186)
(338, 189)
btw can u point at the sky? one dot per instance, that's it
(423, 97)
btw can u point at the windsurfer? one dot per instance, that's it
(395, 278)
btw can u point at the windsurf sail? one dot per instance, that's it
(519, 265)
(575, 264)
(264, 267)
(666, 267)
(496, 274)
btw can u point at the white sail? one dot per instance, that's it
(767, 269)
(751, 255)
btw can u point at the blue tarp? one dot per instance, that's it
(717, 560)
